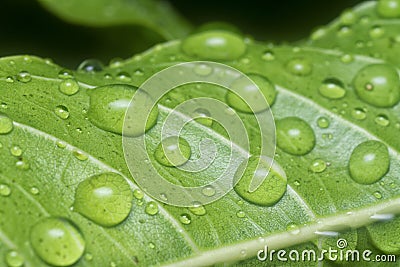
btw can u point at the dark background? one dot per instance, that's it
(27, 28)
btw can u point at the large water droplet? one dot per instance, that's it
(332, 88)
(299, 66)
(369, 162)
(244, 88)
(91, 65)
(294, 136)
(151, 208)
(5, 190)
(62, 112)
(173, 151)
(6, 124)
(24, 77)
(69, 87)
(273, 185)
(389, 8)
(14, 259)
(108, 105)
(378, 85)
(214, 45)
(105, 199)
(57, 241)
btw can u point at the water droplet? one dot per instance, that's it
(268, 55)
(16, 151)
(91, 65)
(24, 77)
(34, 190)
(65, 74)
(318, 166)
(69, 87)
(376, 32)
(214, 45)
(348, 17)
(318, 34)
(62, 112)
(57, 241)
(203, 69)
(151, 208)
(198, 209)
(272, 187)
(6, 124)
(5, 190)
(294, 136)
(108, 105)
(203, 116)
(173, 151)
(151, 245)
(240, 214)
(346, 58)
(10, 79)
(82, 156)
(332, 88)
(293, 229)
(297, 182)
(14, 259)
(299, 67)
(388, 8)
(185, 218)
(382, 120)
(359, 113)
(138, 194)
(22, 165)
(323, 122)
(116, 62)
(124, 76)
(61, 144)
(138, 72)
(105, 199)
(208, 191)
(378, 85)
(377, 195)
(252, 92)
(369, 162)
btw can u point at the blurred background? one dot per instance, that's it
(28, 28)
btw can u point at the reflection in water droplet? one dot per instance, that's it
(294, 136)
(240, 214)
(369, 162)
(388, 8)
(173, 151)
(57, 241)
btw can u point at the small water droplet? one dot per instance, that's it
(6, 124)
(240, 214)
(388, 8)
(62, 112)
(293, 229)
(91, 65)
(138, 194)
(198, 209)
(173, 151)
(208, 191)
(318, 166)
(296, 182)
(5, 190)
(151, 208)
(323, 122)
(24, 77)
(332, 88)
(61, 144)
(151, 245)
(116, 62)
(14, 259)
(369, 162)
(82, 156)
(124, 76)
(377, 195)
(65, 74)
(344, 31)
(34, 191)
(185, 218)
(57, 241)
(382, 120)
(294, 136)
(299, 67)
(16, 151)
(203, 69)
(105, 199)
(376, 32)
(138, 72)
(268, 55)
(22, 165)
(378, 85)
(9, 79)
(346, 58)
(69, 87)
(359, 113)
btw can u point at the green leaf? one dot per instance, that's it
(158, 16)
(370, 28)
(54, 147)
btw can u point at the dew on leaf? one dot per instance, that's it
(124, 76)
(57, 241)
(346, 58)
(299, 66)
(203, 69)
(34, 190)
(65, 74)
(24, 77)
(105, 199)
(151, 208)
(138, 194)
(214, 45)
(294, 136)
(80, 155)
(5, 190)
(240, 214)
(332, 88)
(198, 209)
(376, 32)
(62, 112)
(378, 85)
(208, 191)
(344, 31)
(91, 65)
(318, 165)
(369, 162)
(185, 218)
(69, 87)
(22, 165)
(9, 79)
(272, 187)
(109, 103)
(6, 124)
(359, 113)
(388, 8)
(268, 55)
(382, 120)
(377, 195)
(173, 151)
(14, 259)
(16, 151)
(323, 122)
